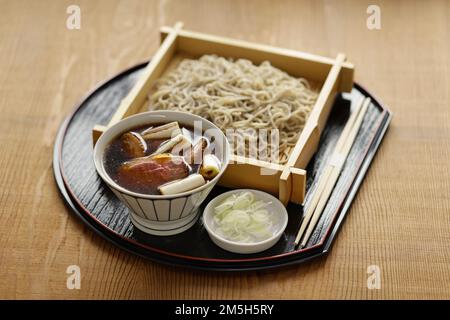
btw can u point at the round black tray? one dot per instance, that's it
(89, 198)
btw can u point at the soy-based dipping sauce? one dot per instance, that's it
(160, 159)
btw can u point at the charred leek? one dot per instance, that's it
(165, 131)
(210, 167)
(168, 145)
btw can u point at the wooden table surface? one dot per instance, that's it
(400, 220)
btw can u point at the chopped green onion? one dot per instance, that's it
(241, 218)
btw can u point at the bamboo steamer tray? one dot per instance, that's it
(96, 206)
(287, 182)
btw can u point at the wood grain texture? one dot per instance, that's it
(400, 219)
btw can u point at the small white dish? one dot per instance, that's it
(274, 206)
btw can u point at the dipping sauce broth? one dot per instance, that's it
(160, 159)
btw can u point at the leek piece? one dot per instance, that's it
(210, 167)
(183, 185)
(165, 131)
(168, 145)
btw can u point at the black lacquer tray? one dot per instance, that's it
(90, 199)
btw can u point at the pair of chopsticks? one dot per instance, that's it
(331, 172)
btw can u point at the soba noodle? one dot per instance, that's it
(238, 95)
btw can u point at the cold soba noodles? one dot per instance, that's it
(239, 95)
(163, 159)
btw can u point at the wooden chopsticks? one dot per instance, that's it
(331, 172)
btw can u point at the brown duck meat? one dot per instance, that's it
(133, 144)
(146, 174)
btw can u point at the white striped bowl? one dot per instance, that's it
(158, 214)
